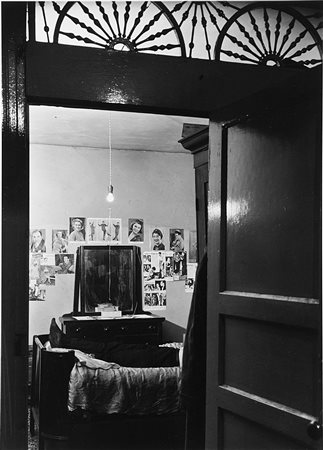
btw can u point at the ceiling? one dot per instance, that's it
(74, 127)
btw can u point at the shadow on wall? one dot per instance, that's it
(172, 332)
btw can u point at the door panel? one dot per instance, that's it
(253, 351)
(270, 199)
(264, 309)
(254, 437)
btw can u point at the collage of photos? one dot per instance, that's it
(52, 253)
(154, 272)
(159, 268)
(43, 269)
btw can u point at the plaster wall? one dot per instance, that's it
(72, 181)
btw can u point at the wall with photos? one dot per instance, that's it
(70, 182)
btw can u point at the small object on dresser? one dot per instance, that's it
(108, 310)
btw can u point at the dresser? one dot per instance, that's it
(124, 329)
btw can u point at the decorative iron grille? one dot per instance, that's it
(254, 33)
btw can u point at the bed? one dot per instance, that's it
(70, 389)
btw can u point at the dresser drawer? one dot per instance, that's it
(122, 330)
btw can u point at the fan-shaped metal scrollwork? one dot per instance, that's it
(260, 33)
(120, 26)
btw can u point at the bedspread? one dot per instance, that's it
(107, 388)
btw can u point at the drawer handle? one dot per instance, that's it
(123, 328)
(77, 330)
(152, 327)
(106, 329)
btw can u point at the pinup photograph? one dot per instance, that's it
(47, 259)
(176, 239)
(37, 263)
(76, 229)
(169, 266)
(98, 230)
(149, 286)
(160, 285)
(146, 258)
(36, 292)
(41, 275)
(146, 270)
(157, 237)
(162, 300)
(47, 275)
(38, 240)
(154, 300)
(180, 266)
(59, 241)
(34, 267)
(155, 286)
(192, 250)
(190, 277)
(150, 272)
(147, 300)
(64, 264)
(135, 230)
(115, 231)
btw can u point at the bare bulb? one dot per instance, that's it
(110, 196)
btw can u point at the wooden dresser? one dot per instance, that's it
(123, 329)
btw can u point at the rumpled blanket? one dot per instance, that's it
(106, 388)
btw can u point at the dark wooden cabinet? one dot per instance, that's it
(128, 330)
(196, 139)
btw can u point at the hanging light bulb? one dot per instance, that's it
(110, 196)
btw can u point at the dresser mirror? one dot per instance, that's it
(107, 274)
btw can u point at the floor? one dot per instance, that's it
(125, 435)
(32, 440)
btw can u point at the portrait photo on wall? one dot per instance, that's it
(38, 240)
(77, 229)
(65, 263)
(157, 236)
(176, 239)
(180, 266)
(59, 241)
(135, 230)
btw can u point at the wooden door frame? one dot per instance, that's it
(81, 77)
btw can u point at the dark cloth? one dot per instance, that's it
(127, 355)
(193, 386)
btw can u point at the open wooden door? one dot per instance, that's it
(264, 275)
